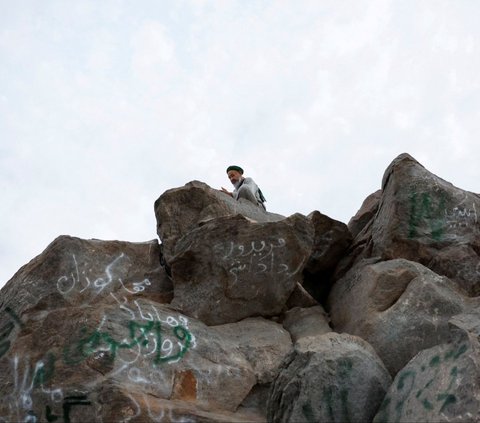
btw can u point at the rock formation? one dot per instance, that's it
(242, 315)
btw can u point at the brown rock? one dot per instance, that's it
(396, 300)
(180, 210)
(332, 239)
(425, 219)
(231, 268)
(365, 214)
(141, 346)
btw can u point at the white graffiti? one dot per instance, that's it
(165, 414)
(259, 257)
(80, 281)
(147, 344)
(461, 216)
(25, 380)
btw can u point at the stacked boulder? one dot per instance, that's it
(242, 315)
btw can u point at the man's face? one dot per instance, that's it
(234, 176)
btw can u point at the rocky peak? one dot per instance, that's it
(245, 315)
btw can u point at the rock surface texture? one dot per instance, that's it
(242, 315)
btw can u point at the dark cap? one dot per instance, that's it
(237, 168)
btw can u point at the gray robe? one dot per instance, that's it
(248, 189)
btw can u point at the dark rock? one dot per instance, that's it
(139, 345)
(72, 271)
(365, 214)
(425, 219)
(231, 268)
(440, 384)
(300, 298)
(329, 378)
(332, 239)
(180, 210)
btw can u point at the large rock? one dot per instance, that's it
(365, 214)
(264, 343)
(396, 300)
(74, 271)
(329, 378)
(180, 210)
(332, 239)
(423, 218)
(143, 347)
(303, 322)
(231, 268)
(440, 384)
(331, 242)
(84, 337)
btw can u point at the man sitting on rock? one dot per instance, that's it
(244, 187)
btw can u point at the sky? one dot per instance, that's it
(105, 105)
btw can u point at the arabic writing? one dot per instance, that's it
(79, 278)
(142, 335)
(258, 257)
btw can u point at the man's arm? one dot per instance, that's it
(227, 192)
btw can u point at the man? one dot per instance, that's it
(244, 187)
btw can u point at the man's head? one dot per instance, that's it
(234, 173)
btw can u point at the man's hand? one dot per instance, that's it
(227, 192)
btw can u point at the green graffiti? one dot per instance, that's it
(447, 400)
(328, 399)
(4, 334)
(6, 330)
(139, 334)
(455, 354)
(422, 211)
(427, 404)
(335, 397)
(14, 316)
(403, 377)
(45, 372)
(308, 412)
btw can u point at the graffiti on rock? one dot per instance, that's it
(80, 279)
(26, 381)
(149, 336)
(7, 329)
(257, 257)
(430, 212)
(427, 394)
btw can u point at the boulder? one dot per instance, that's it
(332, 377)
(74, 356)
(180, 210)
(300, 298)
(423, 218)
(74, 271)
(303, 322)
(331, 241)
(231, 268)
(264, 343)
(396, 300)
(440, 384)
(365, 214)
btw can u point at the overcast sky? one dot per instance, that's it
(104, 105)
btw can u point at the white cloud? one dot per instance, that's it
(103, 106)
